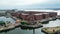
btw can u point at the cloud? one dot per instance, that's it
(21, 2)
(29, 4)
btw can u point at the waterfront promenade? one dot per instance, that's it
(51, 30)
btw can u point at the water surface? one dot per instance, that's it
(33, 31)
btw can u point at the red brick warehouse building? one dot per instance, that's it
(34, 15)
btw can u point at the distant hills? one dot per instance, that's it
(33, 9)
(43, 9)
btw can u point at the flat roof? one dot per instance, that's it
(41, 13)
(24, 14)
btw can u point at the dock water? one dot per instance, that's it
(11, 26)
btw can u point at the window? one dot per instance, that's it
(43, 16)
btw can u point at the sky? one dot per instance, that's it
(29, 4)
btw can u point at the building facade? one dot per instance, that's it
(31, 15)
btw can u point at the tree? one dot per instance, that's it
(2, 23)
(23, 22)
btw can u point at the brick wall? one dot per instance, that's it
(35, 17)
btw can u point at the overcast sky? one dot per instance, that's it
(29, 4)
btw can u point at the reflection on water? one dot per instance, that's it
(20, 30)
